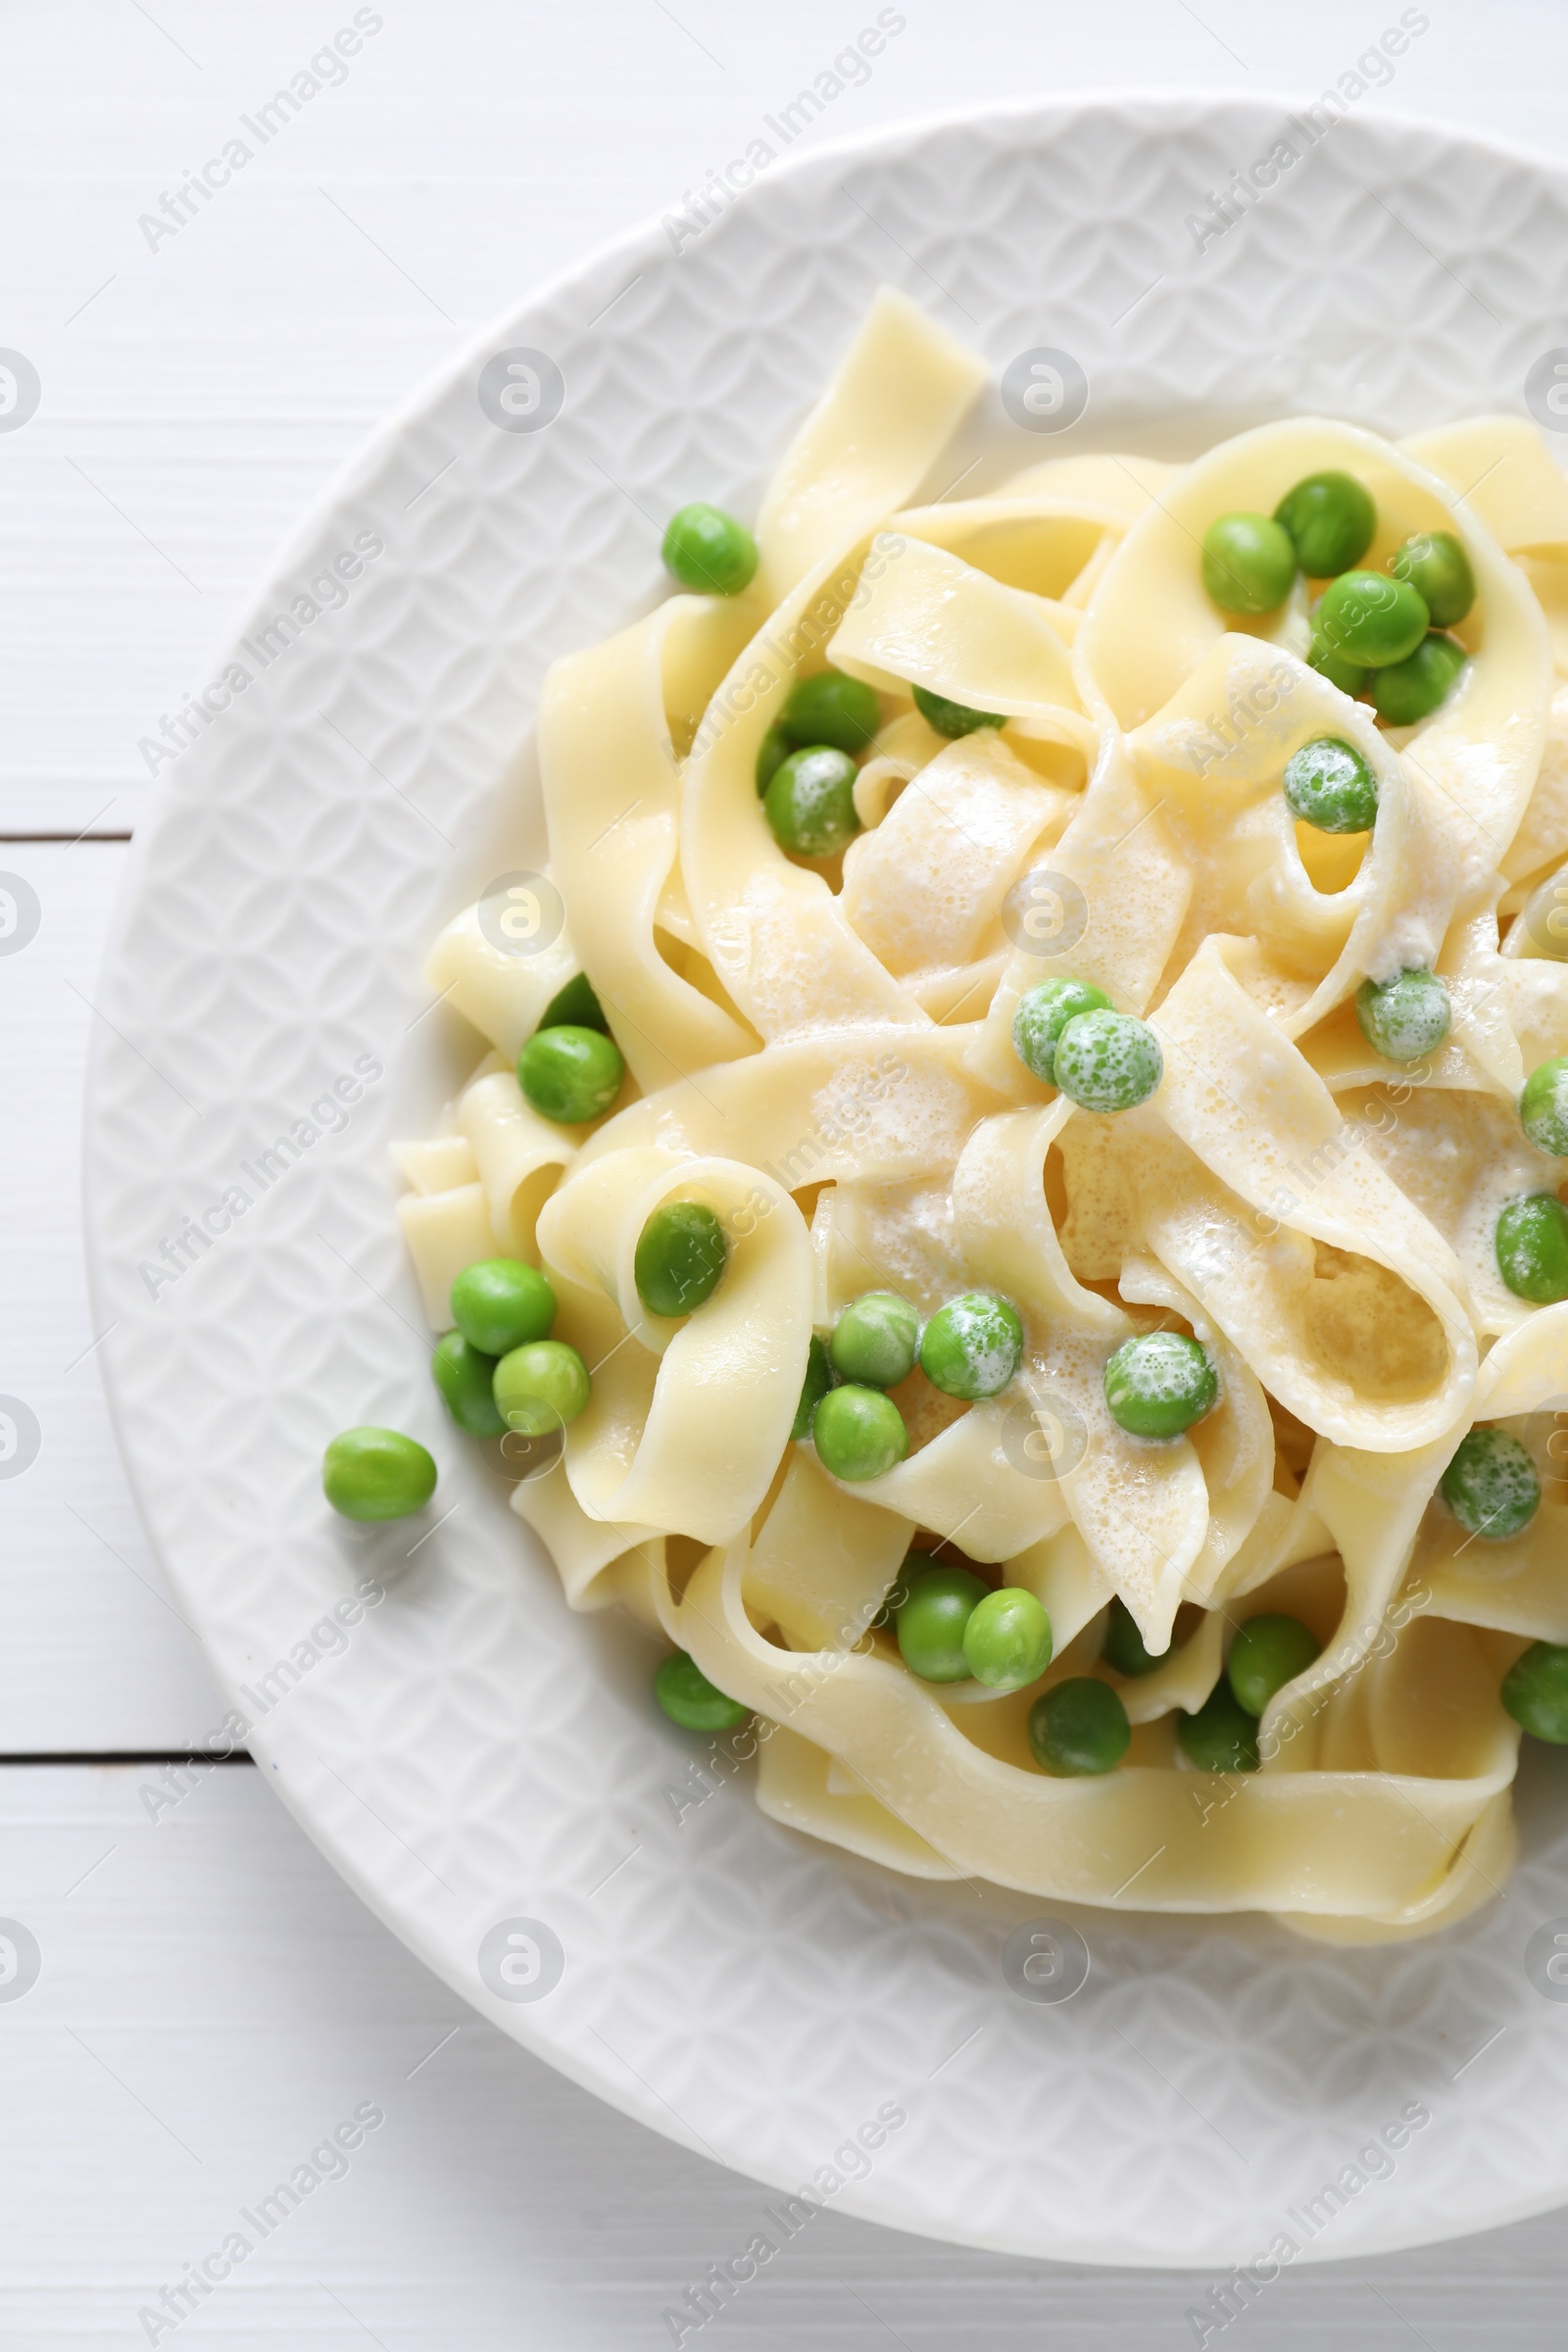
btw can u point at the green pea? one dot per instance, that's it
(576, 1006)
(897, 1592)
(1107, 1060)
(1420, 684)
(1267, 1653)
(500, 1304)
(1123, 1645)
(1331, 518)
(858, 1433)
(972, 1346)
(1404, 1018)
(690, 1699)
(831, 709)
(874, 1340)
(1349, 676)
(1531, 1245)
(1491, 1486)
(1535, 1692)
(815, 1385)
(1544, 1106)
(932, 1621)
(1248, 564)
(771, 754)
(1042, 1016)
(1006, 1643)
(1328, 784)
(376, 1474)
(540, 1388)
(571, 1074)
(1369, 618)
(811, 802)
(1439, 570)
(1079, 1728)
(1159, 1383)
(708, 550)
(1221, 1737)
(680, 1257)
(953, 719)
(463, 1377)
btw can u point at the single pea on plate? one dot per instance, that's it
(680, 1259)
(830, 707)
(1159, 1383)
(858, 1433)
(1042, 1013)
(1439, 570)
(972, 1346)
(1369, 618)
(371, 1474)
(1329, 519)
(1008, 1640)
(499, 1304)
(1248, 564)
(465, 1379)
(1349, 676)
(571, 1074)
(1222, 1736)
(1327, 784)
(813, 1387)
(1269, 1652)
(540, 1388)
(810, 801)
(1535, 1692)
(932, 1623)
(1123, 1647)
(1404, 1018)
(708, 551)
(1107, 1062)
(1405, 692)
(875, 1340)
(1492, 1486)
(1078, 1729)
(576, 1006)
(1531, 1241)
(687, 1696)
(1544, 1106)
(951, 718)
(828, 712)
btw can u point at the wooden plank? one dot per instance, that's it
(92, 1652)
(212, 2001)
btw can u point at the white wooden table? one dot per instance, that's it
(212, 2001)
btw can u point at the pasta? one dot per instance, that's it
(1016, 1202)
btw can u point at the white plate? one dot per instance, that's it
(474, 1754)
